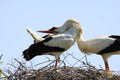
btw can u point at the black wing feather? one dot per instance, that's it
(115, 37)
(113, 47)
(39, 49)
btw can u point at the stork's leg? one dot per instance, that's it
(56, 62)
(108, 72)
(107, 66)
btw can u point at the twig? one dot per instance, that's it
(78, 60)
(43, 62)
(62, 62)
(47, 65)
(65, 58)
(21, 64)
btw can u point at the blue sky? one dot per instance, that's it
(98, 18)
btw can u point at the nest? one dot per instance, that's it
(84, 72)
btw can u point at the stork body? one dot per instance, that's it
(54, 45)
(104, 46)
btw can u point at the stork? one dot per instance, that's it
(54, 44)
(104, 45)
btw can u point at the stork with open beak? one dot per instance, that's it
(54, 44)
(104, 46)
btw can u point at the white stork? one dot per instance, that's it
(54, 44)
(104, 46)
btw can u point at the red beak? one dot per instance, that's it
(49, 31)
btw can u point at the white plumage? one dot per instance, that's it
(61, 40)
(36, 37)
(95, 45)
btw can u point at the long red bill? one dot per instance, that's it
(49, 31)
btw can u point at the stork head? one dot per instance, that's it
(71, 25)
